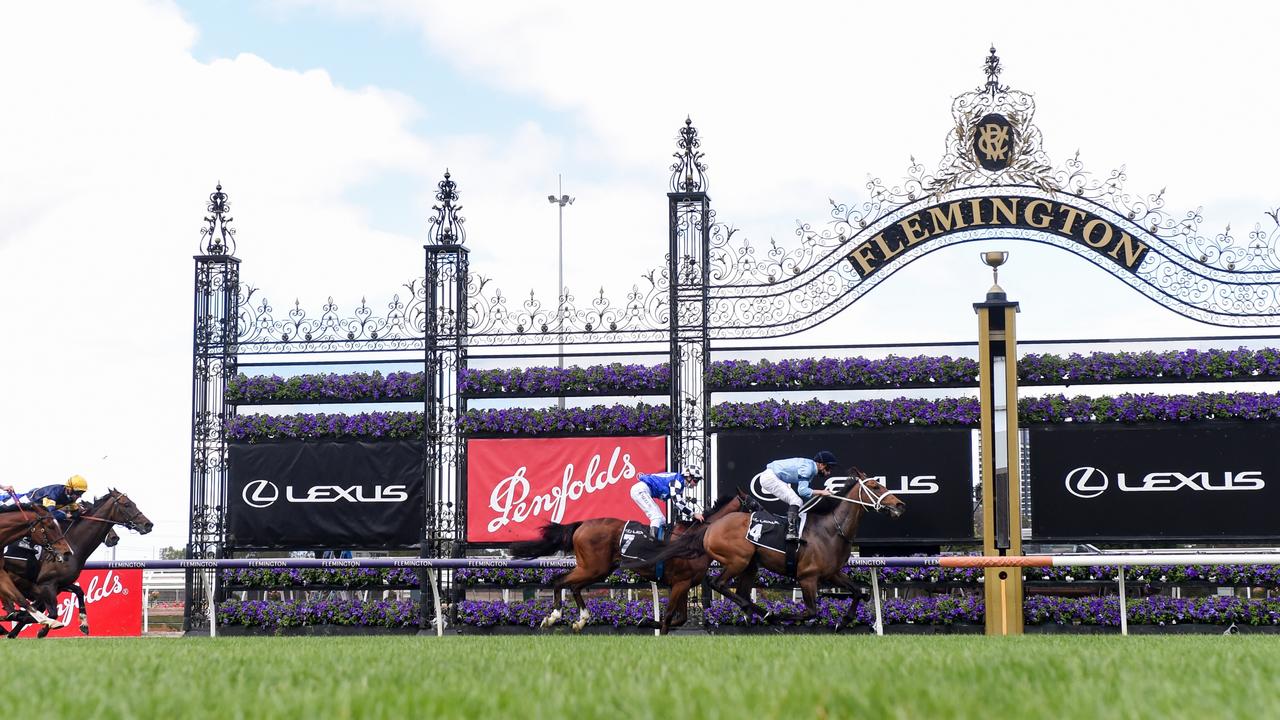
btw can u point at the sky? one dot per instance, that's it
(330, 122)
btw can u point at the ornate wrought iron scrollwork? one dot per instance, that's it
(446, 227)
(688, 173)
(218, 238)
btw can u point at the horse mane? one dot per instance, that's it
(720, 504)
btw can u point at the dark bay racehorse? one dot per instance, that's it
(595, 545)
(820, 558)
(95, 524)
(17, 522)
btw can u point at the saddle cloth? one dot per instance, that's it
(770, 531)
(636, 542)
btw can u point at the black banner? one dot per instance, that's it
(1205, 481)
(340, 495)
(929, 469)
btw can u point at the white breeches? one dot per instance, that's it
(771, 484)
(640, 495)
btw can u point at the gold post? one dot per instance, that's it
(1001, 497)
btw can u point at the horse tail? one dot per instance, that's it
(686, 546)
(555, 537)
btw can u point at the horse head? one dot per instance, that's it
(746, 502)
(869, 492)
(116, 507)
(46, 533)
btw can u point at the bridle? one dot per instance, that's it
(876, 501)
(129, 524)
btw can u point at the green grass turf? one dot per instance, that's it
(642, 677)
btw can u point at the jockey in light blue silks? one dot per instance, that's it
(780, 476)
(668, 486)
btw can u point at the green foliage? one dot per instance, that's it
(559, 676)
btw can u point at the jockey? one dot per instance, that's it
(664, 486)
(60, 500)
(780, 476)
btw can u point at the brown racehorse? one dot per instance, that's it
(595, 545)
(85, 535)
(820, 558)
(20, 521)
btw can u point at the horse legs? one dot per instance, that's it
(809, 589)
(721, 585)
(84, 612)
(557, 589)
(847, 583)
(583, 613)
(746, 582)
(15, 597)
(677, 606)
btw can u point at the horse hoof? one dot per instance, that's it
(84, 629)
(577, 627)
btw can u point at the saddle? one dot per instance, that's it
(769, 531)
(636, 543)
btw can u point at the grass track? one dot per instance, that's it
(676, 677)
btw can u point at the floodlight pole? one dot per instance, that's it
(561, 200)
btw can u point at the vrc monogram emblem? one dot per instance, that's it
(993, 142)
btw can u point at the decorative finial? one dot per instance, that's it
(218, 238)
(688, 174)
(993, 72)
(446, 227)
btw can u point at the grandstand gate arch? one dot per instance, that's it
(993, 182)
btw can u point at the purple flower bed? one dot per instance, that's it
(529, 613)
(514, 577)
(278, 614)
(593, 380)
(643, 419)
(854, 372)
(932, 610)
(331, 387)
(1147, 407)
(861, 413)
(1183, 365)
(302, 577)
(790, 374)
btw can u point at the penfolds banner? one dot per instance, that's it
(113, 600)
(516, 486)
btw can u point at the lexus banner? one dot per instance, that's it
(515, 486)
(1203, 481)
(341, 495)
(928, 469)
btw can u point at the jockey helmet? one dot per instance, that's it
(692, 476)
(825, 457)
(77, 483)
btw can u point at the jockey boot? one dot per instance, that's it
(793, 523)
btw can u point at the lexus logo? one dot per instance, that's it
(260, 493)
(1090, 482)
(1087, 482)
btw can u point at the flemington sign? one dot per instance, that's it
(1000, 212)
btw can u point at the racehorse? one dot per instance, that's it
(20, 521)
(820, 557)
(17, 568)
(596, 547)
(91, 529)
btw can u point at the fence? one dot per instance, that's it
(430, 565)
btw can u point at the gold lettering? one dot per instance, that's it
(999, 207)
(1088, 232)
(1070, 220)
(1041, 221)
(862, 256)
(943, 223)
(976, 205)
(885, 249)
(1131, 254)
(915, 233)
